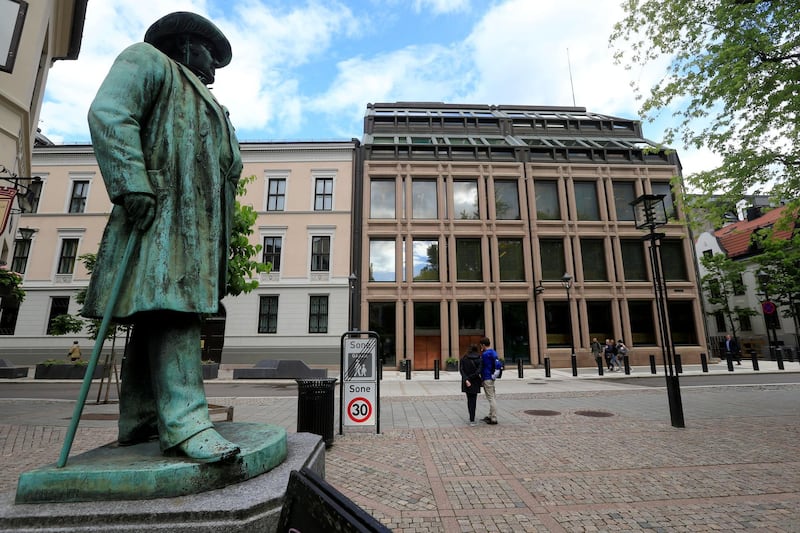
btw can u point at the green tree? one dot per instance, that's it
(731, 85)
(721, 283)
(779, 269)
(241, 263)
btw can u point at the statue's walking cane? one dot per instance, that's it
(98, 346)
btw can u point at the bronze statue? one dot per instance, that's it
(170, 161)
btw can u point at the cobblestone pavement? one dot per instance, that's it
(598, 457)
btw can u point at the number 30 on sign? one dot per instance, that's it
(360, 407)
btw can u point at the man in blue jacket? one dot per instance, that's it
(491, 370)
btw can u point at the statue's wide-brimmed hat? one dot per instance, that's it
(184, 22)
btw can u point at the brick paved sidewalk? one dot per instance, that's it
(734, 467)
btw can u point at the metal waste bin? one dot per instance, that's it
(315, 407)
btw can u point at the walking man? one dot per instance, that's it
(732, 349)
(490, 369)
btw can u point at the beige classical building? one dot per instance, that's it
(473, 214)
(33, 34)
(302, 194)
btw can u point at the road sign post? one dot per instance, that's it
(359, 401)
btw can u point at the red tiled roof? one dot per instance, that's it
(735, 238)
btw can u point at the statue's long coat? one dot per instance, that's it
(157, 130)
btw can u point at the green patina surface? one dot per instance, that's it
(141, 472)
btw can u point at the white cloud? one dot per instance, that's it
(441, 6)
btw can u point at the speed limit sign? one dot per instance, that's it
(359, 410)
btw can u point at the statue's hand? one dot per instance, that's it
(140, 208)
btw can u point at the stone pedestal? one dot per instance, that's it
(251, 505)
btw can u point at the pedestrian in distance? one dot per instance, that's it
(597, 351)
(491, 366)
(610, 352)
(622, 351)
(732, 349)
(75, 352)
(470, 369)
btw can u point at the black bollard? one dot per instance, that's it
(627, 361)
(779, 357)
(704, 362)
(547, 367)
(652, 364)
(600, 367)
(435, 369)
(408, 368)
(519, 369)
(678, 365)
(754, 359)
(574, 361)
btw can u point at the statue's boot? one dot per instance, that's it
(208, 446)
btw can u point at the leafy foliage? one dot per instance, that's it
(731, 85)
(720, 284)
(11, 282)
(779, 273)
(241, 265)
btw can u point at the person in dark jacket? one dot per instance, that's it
(470, 368)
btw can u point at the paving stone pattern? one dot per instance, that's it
(735, 467)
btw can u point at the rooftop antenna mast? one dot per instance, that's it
(572, 86)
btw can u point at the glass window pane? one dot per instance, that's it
(594, 260)
(468, 260)
(672, 260)
(556, 318)
(424, 199)
(276, 194)
(272, 252)
(547, 207)
(320, 254)
(465, 200)
(552, 254)
(598, 314)
(426, 260)
(381, 203)
(318, 314)
(586, 200)
(69, 251)
(268, 314)
(633, 263)
(381, 260)
(669, 202)
(511, 263)
(506, 200)
(323, 197)
(624, 194)
(642, 325)
(382, 321)
(681, 322)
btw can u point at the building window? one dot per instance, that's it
(738, 286)
(719, 318)
(506, 200)
(323, 194)
(59, 305)
(382, 320)
(598, 314)
(669, 200)
(381, 199)
(80, 191)
(547, 206)
(276, 194)
(468, 260)
(551, 252)
(318, 314)
(268, 314)
(423, 199)
(320, 254)
(66, 260)
(426, 260)
(556, 323)
(586, 200)
(594, 260)
(642, 325)
(744, 323)
(465, 200)
(22, 249)
(633, 264)
(272, 252)
(681, 323)
(673, 261)
(512, 265)
(382, 260)
(34, 194)
(624, 194)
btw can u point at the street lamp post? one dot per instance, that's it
(566, 281)
(649, 212)
(353, 279)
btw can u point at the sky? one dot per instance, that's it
(306, 69)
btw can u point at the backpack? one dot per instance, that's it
(498, 365)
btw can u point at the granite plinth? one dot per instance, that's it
(141, 472)
(252, 505)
